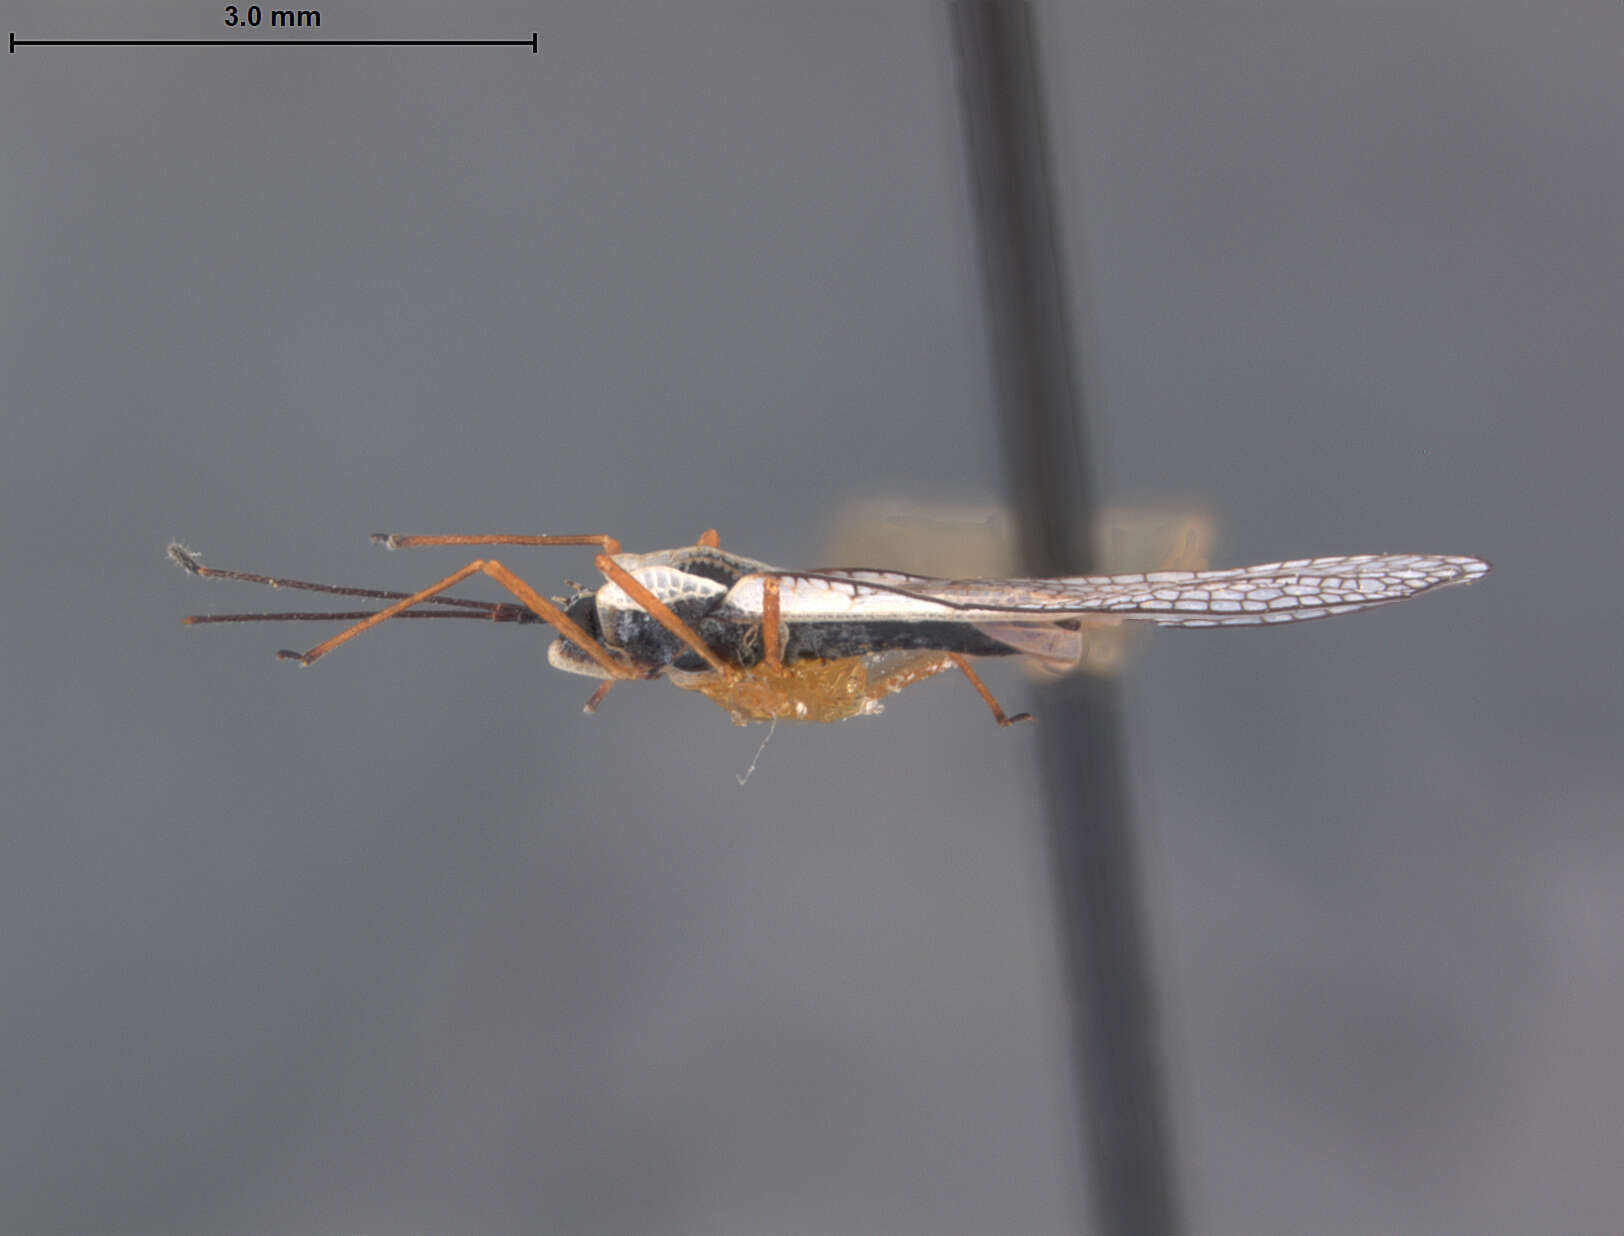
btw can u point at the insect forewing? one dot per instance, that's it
(1274, 592)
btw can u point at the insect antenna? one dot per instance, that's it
(484, 611)
(451, 607)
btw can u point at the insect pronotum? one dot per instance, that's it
(822, 645)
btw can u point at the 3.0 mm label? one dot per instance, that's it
(254, 16)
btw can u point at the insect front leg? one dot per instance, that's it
(662, 614)
(394, 540)
(540, 605)
(591, 706)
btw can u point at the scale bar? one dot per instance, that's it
(531, 43)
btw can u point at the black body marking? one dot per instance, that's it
(740, 643)
(646, 642)
(832, 641)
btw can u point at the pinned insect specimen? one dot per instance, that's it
(822, 645)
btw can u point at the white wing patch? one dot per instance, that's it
(667, 583)
(842, 596)
(1274, 592)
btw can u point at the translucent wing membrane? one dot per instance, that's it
(1241, 596)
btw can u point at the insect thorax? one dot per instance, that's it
(646, 642)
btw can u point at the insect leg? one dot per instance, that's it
(771, 610)
(707, 538)
(928, 665)
(602, 540)
(998, 714)
(591, 706)
(567, 627)
(662, 613)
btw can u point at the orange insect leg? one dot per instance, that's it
(567, 626)
(662, 613)
(771, 610)
(987, 697)
(591, 706)
(602, 540)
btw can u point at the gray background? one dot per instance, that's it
(405, 943)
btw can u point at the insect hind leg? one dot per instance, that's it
(928, 666)
(987, 696)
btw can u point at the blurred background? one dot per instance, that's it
(404, 942)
